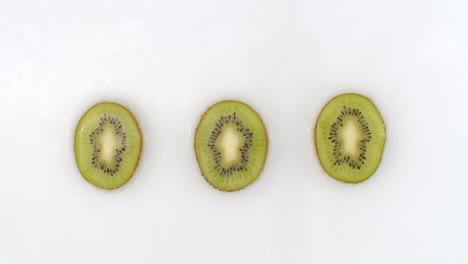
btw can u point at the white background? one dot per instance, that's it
(168, 61)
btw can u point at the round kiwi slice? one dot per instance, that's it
(108, 144)
(231, 144)
(350, 138)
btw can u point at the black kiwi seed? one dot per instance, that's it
(333, 137)
(96, 132)
(224, 120)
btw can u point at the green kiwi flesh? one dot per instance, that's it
(231, 145)
(107, 145)
(350, 138)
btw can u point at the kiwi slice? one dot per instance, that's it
(231, 145)
(350, 138)
(108, 145)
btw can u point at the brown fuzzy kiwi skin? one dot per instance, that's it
(141, 144)
(315, 137)
(195, 143)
